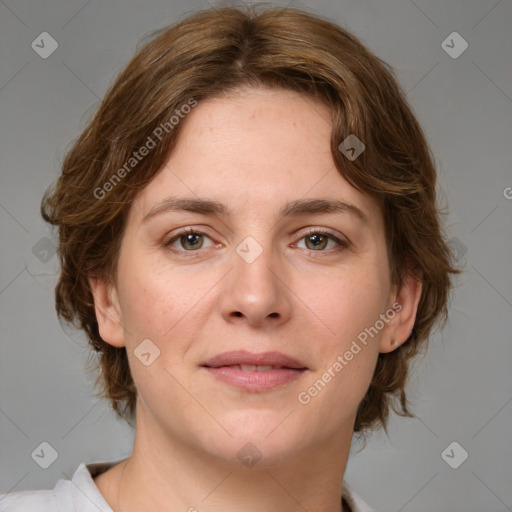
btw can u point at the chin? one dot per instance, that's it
(258, 435)
(250, 452)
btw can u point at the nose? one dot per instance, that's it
(257, 292)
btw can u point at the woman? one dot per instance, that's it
(249, 237)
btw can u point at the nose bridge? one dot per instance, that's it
(255, 291)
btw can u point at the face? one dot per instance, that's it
(253, 294)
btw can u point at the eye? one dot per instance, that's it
(189, 239)
(317, 240)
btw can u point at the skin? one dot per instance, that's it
(253, 151)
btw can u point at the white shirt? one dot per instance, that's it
(80, 494)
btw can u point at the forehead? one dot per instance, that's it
(253, 150)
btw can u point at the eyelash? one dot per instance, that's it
(342, 244)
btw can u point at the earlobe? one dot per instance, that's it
(108, 313)
(401, 326)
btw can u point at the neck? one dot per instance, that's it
(170, 474)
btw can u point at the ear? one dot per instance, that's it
(405, 305)
(108, 312)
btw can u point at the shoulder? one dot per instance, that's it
(44, 501)
(36, 500)
(79, 493)
(355, 502)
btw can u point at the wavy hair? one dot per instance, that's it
(211, 53)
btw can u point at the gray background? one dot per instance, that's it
(462, 388)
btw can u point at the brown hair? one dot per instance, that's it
(213, 52)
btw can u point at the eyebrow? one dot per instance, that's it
(290, 209)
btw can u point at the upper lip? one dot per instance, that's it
(262, 359)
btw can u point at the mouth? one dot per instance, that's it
(254, 372)
(252, 367)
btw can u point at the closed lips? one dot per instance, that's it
(247, 361)
(254, 373)
(255, 368)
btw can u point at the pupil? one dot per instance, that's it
(191, 239)
(317, 240)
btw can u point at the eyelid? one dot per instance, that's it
(172, 237)
(341, 241)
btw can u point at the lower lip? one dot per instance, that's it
(255, 381)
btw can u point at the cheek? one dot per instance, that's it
(167, 306)
(156, 311)
(346, 306)
(153, 301)
(145, 307)
(344, 302)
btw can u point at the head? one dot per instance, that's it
(249, 110)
